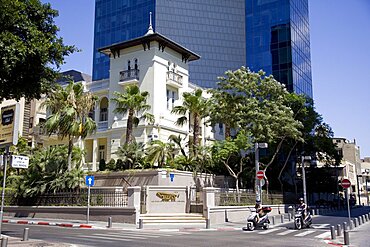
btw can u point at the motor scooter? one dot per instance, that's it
(300, 221)
(254, 221)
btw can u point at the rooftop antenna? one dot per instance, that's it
(150, 29)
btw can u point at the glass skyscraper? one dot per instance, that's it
(272, 35)
(278, 41)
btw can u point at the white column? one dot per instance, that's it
(134, 200)
(208, 200)
(94, 154)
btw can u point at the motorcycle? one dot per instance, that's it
(299, 221)
(253, 221)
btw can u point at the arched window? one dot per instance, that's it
(129, 65)
(103, 114)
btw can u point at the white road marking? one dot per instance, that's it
(118, 236)
(318, 226)
(286, 232)
(269, 231)
(105, 238)
(323, 235)
(304, 233)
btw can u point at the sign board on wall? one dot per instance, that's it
(20, 161)
(8, 125)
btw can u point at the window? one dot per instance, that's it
(136, 64)
(128, 65)
(221, 128)
(103, 114)
(171, 97)
(101, 152)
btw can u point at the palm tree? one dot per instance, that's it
(131, 155)
(198, 108)
(69, 109)
(160, 152)
(133, 102)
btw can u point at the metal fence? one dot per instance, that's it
(245, 198)
(103, 198)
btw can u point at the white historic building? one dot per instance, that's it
(157, 65)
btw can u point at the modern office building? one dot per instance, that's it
(278, 41)
(271, 35)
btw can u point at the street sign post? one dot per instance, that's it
(346, 184)
(18, 161)
(89, 182)
(260, 174)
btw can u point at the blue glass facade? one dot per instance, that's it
(272, 35)
(116, 21)
(278, 41)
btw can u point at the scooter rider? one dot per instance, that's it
(303, 206)
(259, 211)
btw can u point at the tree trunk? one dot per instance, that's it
(196, 134)
(70, 148)
(227, 131)
(130, 120)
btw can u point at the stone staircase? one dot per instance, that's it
(172, 219)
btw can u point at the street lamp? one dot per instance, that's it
(257, 166)
(303, 159)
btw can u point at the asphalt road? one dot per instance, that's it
(282, 235)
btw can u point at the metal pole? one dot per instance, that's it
(3, 189)
(25, 234)
(4, 242)
(332, 232)
(339, 230)
(349, 210)
(109, 222)
(358, 190)
(88, 204)
(346, 237)
(367, 193)
(257, 182)
(304, 182)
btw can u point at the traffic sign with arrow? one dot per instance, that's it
(90, 181)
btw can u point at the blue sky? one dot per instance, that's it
(340, 53)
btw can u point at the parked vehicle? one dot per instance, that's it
(301, 220)
(258, 219)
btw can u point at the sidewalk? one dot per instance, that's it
(36, 243)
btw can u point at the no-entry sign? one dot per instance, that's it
(345, 183)
(260, 175)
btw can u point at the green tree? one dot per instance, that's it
(131, 155)
(31, 52)
(195, 105)
(160, 153)
(69, 109)
(228, 152)
(133, 102)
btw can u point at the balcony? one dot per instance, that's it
(128, 76)
(102, 125)
(174, 79)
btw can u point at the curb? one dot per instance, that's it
(45, 223)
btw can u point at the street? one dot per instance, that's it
(280, 235)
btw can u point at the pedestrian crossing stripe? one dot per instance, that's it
(286, 232)
(304, 233)
(270, 230)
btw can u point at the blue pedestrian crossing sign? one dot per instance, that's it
(90, 180)
(172, 176)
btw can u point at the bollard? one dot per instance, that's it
(332, 232)
(282, 218)
(363, 219)
(317, 211)
(345, 226)
(289, 216)
(109, 222)
(339, 230)
(226, 219)
(4, 242)
(351, 225)
(346, 237)
(366, 217)
(141, 224)
(273, 220)
(359, 221)
(208, 223)
(25, 234)
(356, 222)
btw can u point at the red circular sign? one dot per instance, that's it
(345, 183)
(260, 175)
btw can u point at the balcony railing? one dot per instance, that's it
(174, 78)
(102, 125)
(129, 75)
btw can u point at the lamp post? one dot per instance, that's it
(303, 159)
(257, 146)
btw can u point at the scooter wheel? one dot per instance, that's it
(266, 227)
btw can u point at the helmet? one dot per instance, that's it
(301, 199)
